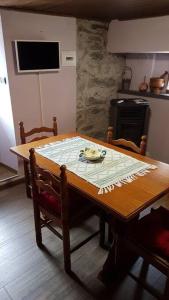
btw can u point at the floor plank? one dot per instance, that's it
(28, 273)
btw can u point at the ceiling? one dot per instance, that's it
(93, 9)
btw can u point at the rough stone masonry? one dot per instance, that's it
(98, 77)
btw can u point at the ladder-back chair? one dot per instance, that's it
(35, 134)
(129, 145)
(149, 238)
(63, 206)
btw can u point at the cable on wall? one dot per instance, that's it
(41, 102)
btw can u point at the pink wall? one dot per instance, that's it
(37, 97)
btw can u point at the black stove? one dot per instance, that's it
(129, 118)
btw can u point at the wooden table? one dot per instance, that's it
(125, 202)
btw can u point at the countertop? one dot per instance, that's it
(144, 94)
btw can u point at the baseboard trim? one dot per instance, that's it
(14, 180)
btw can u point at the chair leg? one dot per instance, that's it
(37, 224)
(27, 180)
(144, 270)
(28, 191)
(102, 232)
(66, 248)
(110, 234)
(166, 292)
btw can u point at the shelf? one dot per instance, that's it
(145, 94)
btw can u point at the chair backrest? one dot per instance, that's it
(24, 135)
(148, 238)
(44, 181)
(127, 144)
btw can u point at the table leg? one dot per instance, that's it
(120, 258)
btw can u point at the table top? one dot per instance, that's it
(125, 202)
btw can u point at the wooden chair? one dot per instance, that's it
(63, 206)
(149, 238)
(123, 143)
(127, 144)
(30, 136)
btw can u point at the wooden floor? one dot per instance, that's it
(29, 273)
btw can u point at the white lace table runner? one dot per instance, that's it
(114, 170)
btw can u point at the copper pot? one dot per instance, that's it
(156, 84)
(159, 83)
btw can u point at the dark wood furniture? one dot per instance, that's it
(127, 144)
(64, 207)
(34, 134)
(149, 238)
(129, 118)
(138, 195)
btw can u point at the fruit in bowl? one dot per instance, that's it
(92, 153)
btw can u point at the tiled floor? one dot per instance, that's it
(28, 273)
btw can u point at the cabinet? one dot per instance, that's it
(147, 35)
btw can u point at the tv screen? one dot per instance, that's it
(37, 56)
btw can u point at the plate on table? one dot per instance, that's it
(92, 154)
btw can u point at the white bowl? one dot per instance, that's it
(92, 154)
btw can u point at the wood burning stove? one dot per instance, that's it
(129, 118)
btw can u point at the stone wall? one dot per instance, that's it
(98, 77)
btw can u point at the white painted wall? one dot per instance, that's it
(141, 40)
(7, 134)
(149, 65)
(158, 133)
(56, 93)
(139, 36)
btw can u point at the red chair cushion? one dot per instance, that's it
(53, 204)
(49, 202)
(153, 231)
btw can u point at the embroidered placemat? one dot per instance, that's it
(114, 170)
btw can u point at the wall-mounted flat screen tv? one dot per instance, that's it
(37, 56)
